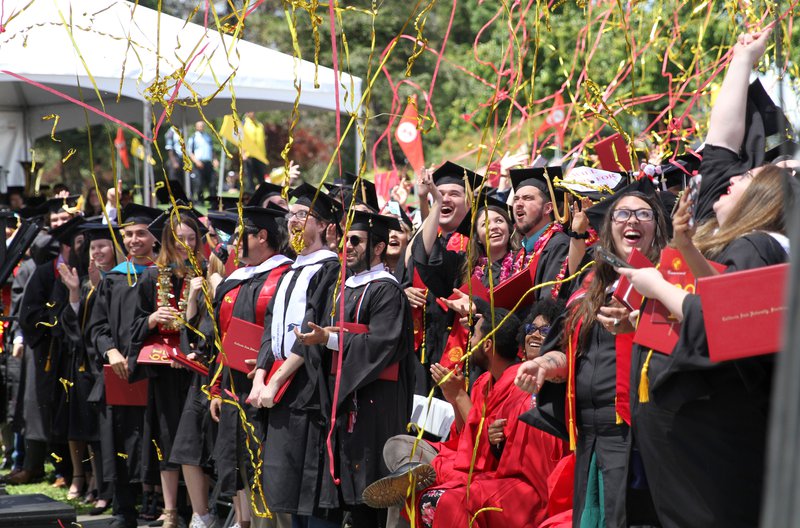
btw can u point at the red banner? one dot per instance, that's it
(408, 136)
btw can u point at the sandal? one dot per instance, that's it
(76, 491)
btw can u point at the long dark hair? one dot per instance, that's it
(604, 275)
(478, 250)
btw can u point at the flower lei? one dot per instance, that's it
(524, 260)
(506, 269)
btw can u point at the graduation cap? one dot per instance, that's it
(375, 224)
(32, 211)
(785, 150)
(320, 203)
(597, 212)
(178, 192)
(538, 177)
(263, 217)
(156, 227)
(15, 189)
(450, 172)
(70, 204)
(677, 171)
(485, 200)
(264, 191)
(134, 213)
(66, 232)
(217, 203)
(225, 221)
(98, 231)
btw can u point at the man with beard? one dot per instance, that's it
(244, 295)
(294, 428)
(371, 379)
(545, 244)
(109, 331)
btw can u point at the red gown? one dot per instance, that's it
(516, 483)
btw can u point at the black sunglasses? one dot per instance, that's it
(354, 240)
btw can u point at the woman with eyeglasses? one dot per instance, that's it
(586, 353)
(700, 425)
(537, 325)
(163, 299)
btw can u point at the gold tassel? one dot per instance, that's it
(616, 413)
(572, 441)
(644, 381)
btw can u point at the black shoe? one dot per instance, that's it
(98, 510)
(121, 522)
(393, 489)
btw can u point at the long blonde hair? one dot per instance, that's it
(762, 207)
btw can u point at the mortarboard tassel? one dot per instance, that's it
(644, 381)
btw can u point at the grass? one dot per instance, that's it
(45, 488)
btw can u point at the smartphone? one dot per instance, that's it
(694, 194)
(610, 258)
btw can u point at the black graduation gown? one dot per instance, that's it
(39, 318)
(193, 443)
(167, 388)
(702, 435)
(295, 427)
(598, 432)
(551, 260)
(16, 366)
(381, 408)
(84, 370)
(110, 326)
(231, 451)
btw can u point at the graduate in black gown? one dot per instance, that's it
(295, 427)
(44, 401)
(86, 366)
(432, 323)
(589, 348)
(162, 300)
(544, 242)
(369, 399)
(244, 294)
(701, 426)
(109, 332)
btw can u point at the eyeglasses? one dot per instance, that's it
(354, 240)
(531, 328)
(642, 215)
(301, 215)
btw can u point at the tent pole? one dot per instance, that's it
(147, 169)
(222, 159)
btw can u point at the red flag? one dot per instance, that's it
(122, 148)
(555, 119)
(409, 137)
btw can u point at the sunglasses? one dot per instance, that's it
(354, 240)
(531, 328)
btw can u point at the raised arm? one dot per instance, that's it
(727, 123)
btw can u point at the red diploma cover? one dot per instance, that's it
(744, 311)
(179, 357)
(242, 341)
(120, 392)
(658, 328)
(625, 292)
(390, 373)
(156, 349)
(507, 294)
(282, 390)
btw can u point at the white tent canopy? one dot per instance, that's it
(124, 49)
